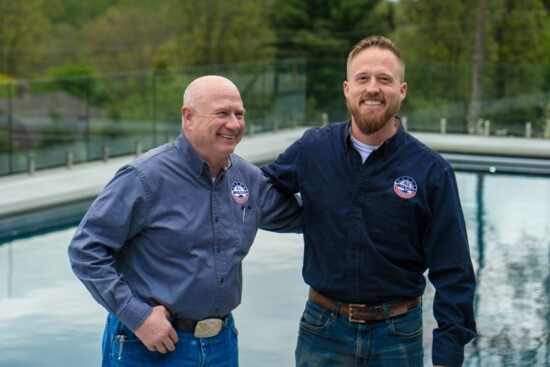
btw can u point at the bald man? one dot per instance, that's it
(161, 247)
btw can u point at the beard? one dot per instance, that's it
(370, 122)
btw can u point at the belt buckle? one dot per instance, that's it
(208, 328)
(350, 316)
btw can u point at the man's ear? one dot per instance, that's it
(346, 87)
(403, 91)
(186, 116)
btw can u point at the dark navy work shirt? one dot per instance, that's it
(372, 229)
(163, 233)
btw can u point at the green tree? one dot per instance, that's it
(438, 41)
(78, 13)
(213, 32)
(323, 31)
(124, 38)
(81, 81)
(23, 27)
(521, 61)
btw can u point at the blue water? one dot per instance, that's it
(48, 319)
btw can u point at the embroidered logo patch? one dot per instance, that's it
(405, 187)
(239, 192)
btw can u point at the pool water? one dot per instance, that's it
(48, 319)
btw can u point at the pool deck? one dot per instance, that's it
(57, 195)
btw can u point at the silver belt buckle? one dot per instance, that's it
(208, 328)
(351, 317)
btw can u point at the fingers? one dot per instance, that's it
(173, 335)
(161, 349)
(168, 344)
(157, 333)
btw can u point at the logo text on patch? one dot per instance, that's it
(405, 187)
(239, 192)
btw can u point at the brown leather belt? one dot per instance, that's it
(361, 313)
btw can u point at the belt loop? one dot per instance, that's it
(386, 313)
(334, 315)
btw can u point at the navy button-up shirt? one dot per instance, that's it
(372, 229)
(163, 233)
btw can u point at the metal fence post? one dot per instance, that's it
(443, 126)
(10, 130)
(324, 119)
(69, 156)
(487, 128)
(528, 130)
(105, 152)
(139, 148)
(31, 164)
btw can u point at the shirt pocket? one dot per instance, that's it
(245, 225)
(391, 221)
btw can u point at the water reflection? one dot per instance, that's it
(48, 319)
(509, 229)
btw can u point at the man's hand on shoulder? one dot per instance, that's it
(157, 333)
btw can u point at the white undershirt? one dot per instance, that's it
(363, 149)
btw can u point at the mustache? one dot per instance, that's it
(366, 96)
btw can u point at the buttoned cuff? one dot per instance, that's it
(134, 313)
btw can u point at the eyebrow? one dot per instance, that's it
(362, 74)
(226, 109)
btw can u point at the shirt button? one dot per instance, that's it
(216, 219)
(218, 250)
(221, 281)
(354, 226)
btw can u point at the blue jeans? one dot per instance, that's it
(329, 339)
(122, 348)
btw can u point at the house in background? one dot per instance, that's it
(35, 115)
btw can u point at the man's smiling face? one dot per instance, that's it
(216, 122)
(374, 89)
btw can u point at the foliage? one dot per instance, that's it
(437, 40)
(90, 38)
(78, 13)
(7, 86)
(139, 35)
(81, 81)
(214, 32)
(23, 27)
(324, 31)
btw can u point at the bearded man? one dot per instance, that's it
(380, 209)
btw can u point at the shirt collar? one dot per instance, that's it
(386, 147)
(193, 159)
(228, 163)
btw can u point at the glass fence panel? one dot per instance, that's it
(55, 122)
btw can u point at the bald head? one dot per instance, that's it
(206, 88)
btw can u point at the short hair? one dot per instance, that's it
(376, 41)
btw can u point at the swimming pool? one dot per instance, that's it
(48, 319)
